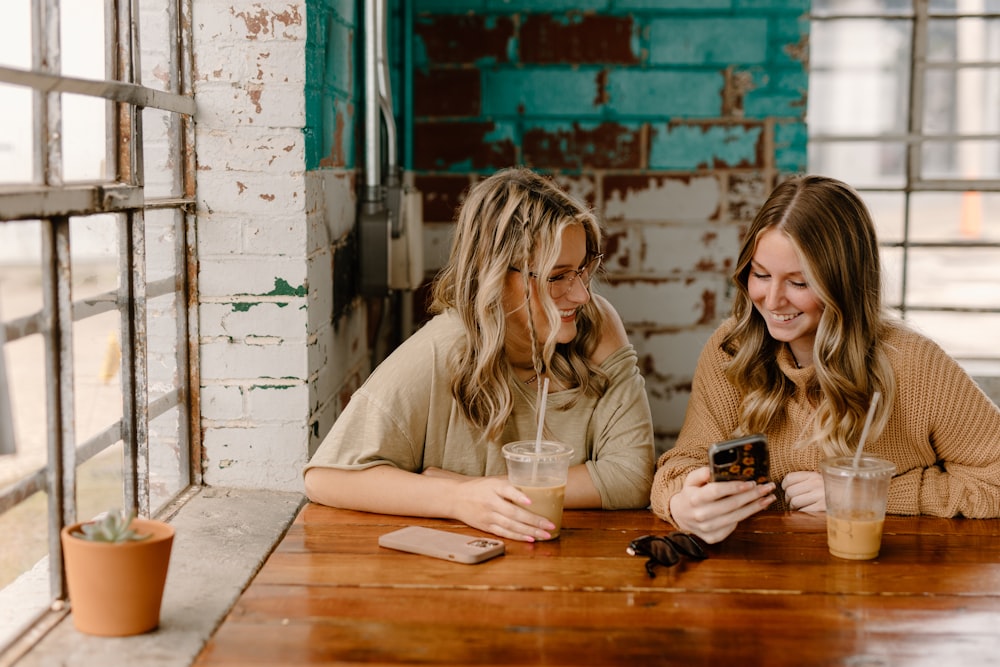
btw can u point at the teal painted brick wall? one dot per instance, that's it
(332, 87)
(516, 65)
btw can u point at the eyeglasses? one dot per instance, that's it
(561, 283)
(665, 549)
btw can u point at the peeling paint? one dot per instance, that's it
(708, 314)
(262, 21)
(282, 288)
(255, 91)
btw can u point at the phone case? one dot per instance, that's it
(740, 459)
(442, 544)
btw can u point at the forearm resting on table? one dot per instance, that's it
(580, 490)
(382, 489)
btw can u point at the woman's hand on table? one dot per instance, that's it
(488, 504)
(804, 491)
(712, 510)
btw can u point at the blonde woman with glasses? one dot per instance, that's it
(513, 307)
(806, 348)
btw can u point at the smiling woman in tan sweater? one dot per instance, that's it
(807, 346)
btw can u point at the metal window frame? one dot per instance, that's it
(919, 19)
(52, 202)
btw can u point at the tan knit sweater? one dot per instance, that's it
(943, 433)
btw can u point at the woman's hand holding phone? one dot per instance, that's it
(715, 498)
(711, 510)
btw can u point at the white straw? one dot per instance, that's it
(868, 424)
(543, 401)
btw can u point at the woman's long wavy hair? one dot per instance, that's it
(833, 233)
(513, 219)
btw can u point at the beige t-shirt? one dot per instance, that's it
(404, 415)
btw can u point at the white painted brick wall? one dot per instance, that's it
(253, 241)
(247, 275)
(690, 199)
(263, 456)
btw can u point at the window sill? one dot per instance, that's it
(223, 538)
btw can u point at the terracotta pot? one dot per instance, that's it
(116, 589)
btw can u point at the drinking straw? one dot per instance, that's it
(868, 424)
(542, 400)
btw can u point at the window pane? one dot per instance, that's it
(168, 463)
(16, 154)
(82, 34)
(83, 138)
(888, 210)
(961, 159)
(154, 25)
(863, 164)
(160, 130)
(892, 276)
(858, 80)
(859, 7)
(15, 47)
(955, 217)
(954, 278)
(963, 101)
(960, 6)
(964, 335)
(964, 40)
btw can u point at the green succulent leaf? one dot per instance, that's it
(114, 526)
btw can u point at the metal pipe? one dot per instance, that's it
(385, 90)
(373, 143)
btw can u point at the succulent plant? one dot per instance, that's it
(113, 526)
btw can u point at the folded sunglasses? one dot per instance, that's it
(666, 549)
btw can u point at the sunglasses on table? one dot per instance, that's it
(666, 549)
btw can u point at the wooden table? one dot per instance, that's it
(770, 594)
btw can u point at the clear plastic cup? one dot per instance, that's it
(540, 473)
(855, 504)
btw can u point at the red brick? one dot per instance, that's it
(608, 146)
(587, 39)
(442, 195)
(443, 146)
(464, 39)
(446, 92)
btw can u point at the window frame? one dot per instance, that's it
(52, 203)
(919, 16)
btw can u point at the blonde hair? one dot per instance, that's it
(513, 219)
(830, 227)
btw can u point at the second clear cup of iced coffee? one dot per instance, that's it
(539, 470)
(856, 498)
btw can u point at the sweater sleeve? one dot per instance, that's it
(621, 463)
(952, 416)
(712, 415)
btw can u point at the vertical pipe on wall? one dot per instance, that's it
(373, 143)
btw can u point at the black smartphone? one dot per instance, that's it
(740, 459)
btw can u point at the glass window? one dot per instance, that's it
(903, 99)
(94, 260)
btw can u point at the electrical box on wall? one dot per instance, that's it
(391, 242)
